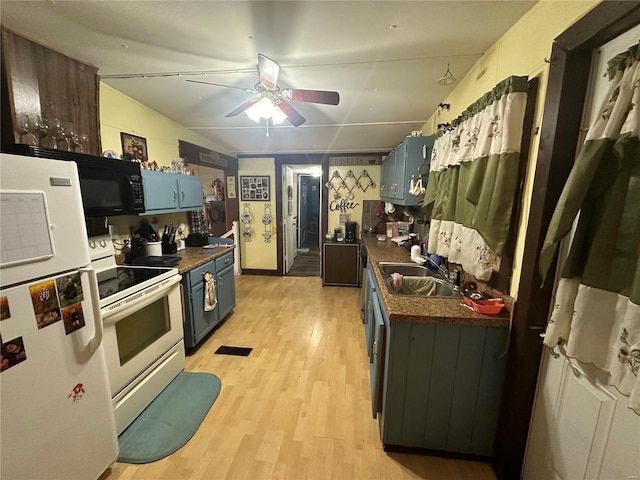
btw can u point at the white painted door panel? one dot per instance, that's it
(583, 420)
(581, 426)
(289, 222)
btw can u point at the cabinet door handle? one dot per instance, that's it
(182, 192)
(175, 195)
(375, 348)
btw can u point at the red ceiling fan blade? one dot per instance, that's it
(293, 116)
(243, 107)
(311, 96)
(249, 90)
(268, 71)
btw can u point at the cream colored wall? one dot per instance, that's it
(372, 193)
(258, 254)
(520, 51)
(121, 113)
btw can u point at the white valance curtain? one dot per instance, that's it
(597, 306)
(473, 179)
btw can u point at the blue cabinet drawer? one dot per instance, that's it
(195, 275)
(224, 261)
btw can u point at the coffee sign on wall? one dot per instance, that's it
(343, 205)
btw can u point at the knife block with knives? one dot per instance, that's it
(169, 239)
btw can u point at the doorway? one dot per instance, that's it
(301, 213)
(308, 212)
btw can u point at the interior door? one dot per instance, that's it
(288, 214)
(581, 426)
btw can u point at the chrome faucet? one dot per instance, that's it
(443, 271)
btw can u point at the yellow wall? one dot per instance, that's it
(520, 51)
(120, 113)
(372, 193)
(258, 253)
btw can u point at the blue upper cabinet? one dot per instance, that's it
(190, 192)
(170, 192)
(402, 163)
(388, 176)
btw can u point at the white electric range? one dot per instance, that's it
(141, 309)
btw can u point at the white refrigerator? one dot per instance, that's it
(56, 415)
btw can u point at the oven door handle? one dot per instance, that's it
(96, 340)
(139, 300)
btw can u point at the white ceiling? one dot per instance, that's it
(383, 57)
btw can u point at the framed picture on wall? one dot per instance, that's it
(134, 148)
(255, 188)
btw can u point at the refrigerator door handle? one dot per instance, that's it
(96, 340)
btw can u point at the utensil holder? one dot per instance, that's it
(169, 247)
(153, 249)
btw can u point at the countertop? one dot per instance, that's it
(426, 310)
(193, 257)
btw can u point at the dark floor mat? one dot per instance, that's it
(240, 351)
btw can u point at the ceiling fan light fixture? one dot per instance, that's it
(265, 108)
(278, 115)
(447, 78)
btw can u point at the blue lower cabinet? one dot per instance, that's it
(226, 291)
(199, 322)
(369, 321)
(441, 386)
(377, 357)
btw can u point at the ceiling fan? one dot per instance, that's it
(272, 102)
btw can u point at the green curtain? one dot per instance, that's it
(604, 189)
(473, 179)
(596, 310)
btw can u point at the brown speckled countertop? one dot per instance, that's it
(193, 257)
(425, 310)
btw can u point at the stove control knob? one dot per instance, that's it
(103, 243)
(92, 244)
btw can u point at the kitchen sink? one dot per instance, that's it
(444, 289)
(410, 269)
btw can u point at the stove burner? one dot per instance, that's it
(119, 279)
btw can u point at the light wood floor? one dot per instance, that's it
(298, 406)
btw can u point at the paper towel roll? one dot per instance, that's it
(415, 251)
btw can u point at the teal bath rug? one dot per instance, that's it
(171, 419)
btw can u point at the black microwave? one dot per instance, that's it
(109, 186)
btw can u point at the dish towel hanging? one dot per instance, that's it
(210, 298)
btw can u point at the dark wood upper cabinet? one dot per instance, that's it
(39, 82)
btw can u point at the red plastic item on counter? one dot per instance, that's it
(492, 306)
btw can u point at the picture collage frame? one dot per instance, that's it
(255, 188)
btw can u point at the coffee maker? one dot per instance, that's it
(350, 232)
